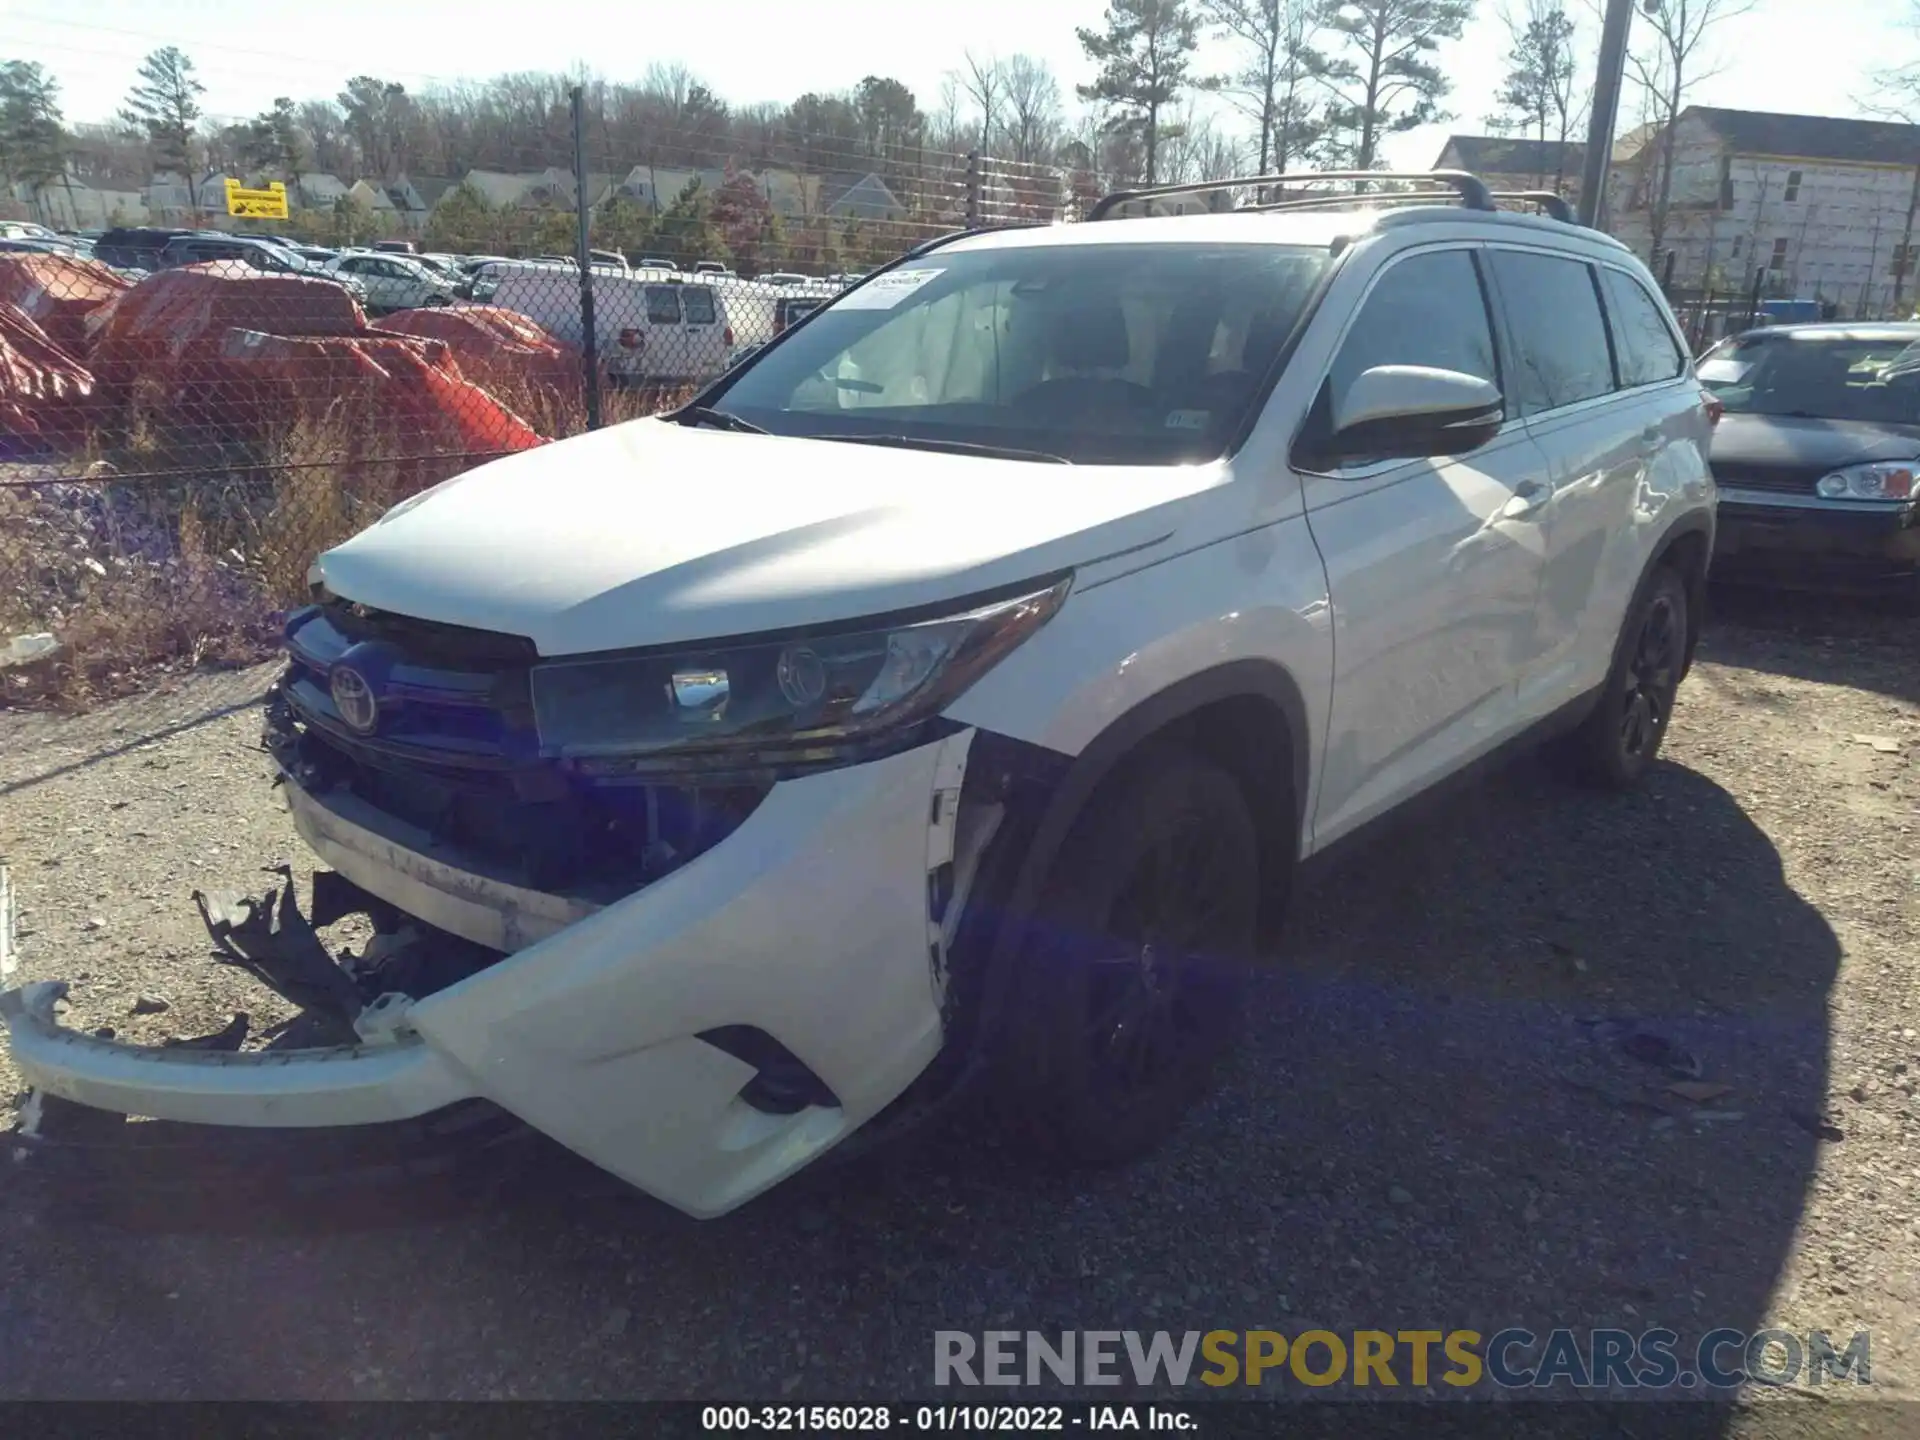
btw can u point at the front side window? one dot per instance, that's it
(1094, 353)
(1559, 336)
(1816, 375)
(1426, 310)
(1642, 340)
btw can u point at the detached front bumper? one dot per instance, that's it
(812, 924)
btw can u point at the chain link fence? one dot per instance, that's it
(193, 408)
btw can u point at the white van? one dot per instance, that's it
(650, 326)
(757, 311)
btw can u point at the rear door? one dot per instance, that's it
(1433, 564)
(705, 327)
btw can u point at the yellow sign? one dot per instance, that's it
(267, 204)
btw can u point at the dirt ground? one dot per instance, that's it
(1435, 1120)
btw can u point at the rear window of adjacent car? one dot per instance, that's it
(699, 303)
(1643, 342)
(1426, 310)
(663, 305)
(1559, 335)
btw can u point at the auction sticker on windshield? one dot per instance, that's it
(883, 292)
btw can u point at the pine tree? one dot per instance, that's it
(1385, 81)
(164, 107)
(1144, 51)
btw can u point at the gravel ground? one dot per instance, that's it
(1433, 1122)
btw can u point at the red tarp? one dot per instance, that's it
(495, 347)
(388, 394)
(44, 391)
(58, 292)
(168, 330)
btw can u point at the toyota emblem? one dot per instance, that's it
(353, 698)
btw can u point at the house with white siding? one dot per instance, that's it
(1813, 206)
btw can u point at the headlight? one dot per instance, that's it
(801, 700)
(1889, 480)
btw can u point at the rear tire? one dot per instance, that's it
(1133, 975)
(1617, 743)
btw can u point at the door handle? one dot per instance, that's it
(1528, 496)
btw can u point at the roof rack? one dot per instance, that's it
(1547, 200)
(1471, 190)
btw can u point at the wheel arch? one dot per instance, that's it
(1686, 548)
(1249, 716)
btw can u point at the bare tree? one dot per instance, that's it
(1538, 93)
(985, 83)
(1274, 40)
(1033, 109)
(1674, 60)
(1898, 98)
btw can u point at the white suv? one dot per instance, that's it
(953, 692)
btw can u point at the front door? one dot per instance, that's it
(1433, 564)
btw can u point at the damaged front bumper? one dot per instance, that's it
(638, 1031)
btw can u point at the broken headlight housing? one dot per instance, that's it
(786, 702)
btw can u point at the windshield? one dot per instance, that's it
(1830, 377)
(1099, 354)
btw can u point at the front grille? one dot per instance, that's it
(455, 753)
(1766, 477)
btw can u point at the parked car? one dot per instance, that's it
(956, 691)
(396, 247)
(757, 311)
(393, 281)
(655, 263)
(786, 277)
(242, 252)
(315, 254)
(135, 247)
(651, 328)
(35, 247)
(710, 267)
(204, 248)
(27, 230)
(1818, 454)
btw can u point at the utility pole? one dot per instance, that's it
(1606, 105)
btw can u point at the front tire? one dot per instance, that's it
(1134, 971)
(1617, 743)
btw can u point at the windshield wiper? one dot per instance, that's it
(719, 419)
(955, 447)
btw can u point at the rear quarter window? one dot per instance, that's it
(1643, 342)
(699, 304)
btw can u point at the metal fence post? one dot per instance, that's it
(1666, 273)
(975, 175)
(583, 254)
(1753, 298)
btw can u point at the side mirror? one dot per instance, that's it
(1404, 411)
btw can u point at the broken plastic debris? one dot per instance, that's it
(1885, 744)
(1652, 1049)
(271, 938)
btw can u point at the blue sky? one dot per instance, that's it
(1807, 56)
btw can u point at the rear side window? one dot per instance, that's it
(663, 305)
(1642, 341)
(1426, 310)
(1559, 335)
(699, 303)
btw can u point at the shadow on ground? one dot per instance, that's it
(1833, 639)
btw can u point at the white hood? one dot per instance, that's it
(651, 533)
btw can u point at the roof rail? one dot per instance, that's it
(1471, 189)
(1555, 205)
(1371, 197)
